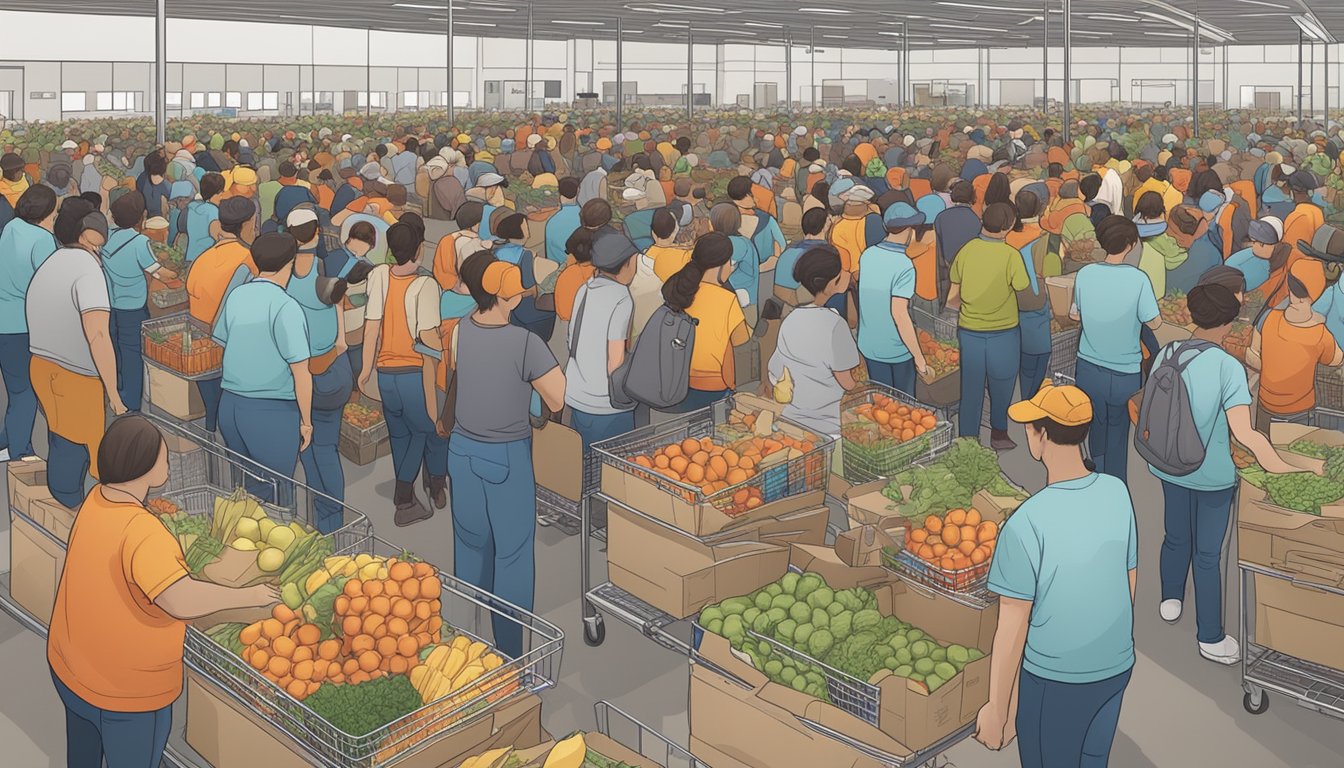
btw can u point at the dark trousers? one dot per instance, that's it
(899, 376)
(596, 427)
(988, 359)
(21, 402)
(123, 739)
(130, 359)
(1110, 392)
(211, 392)
(415, 441)
(67, 468)
(1032, 371)
(1196, 523)
(322, 468)
(1068, 725)
(267, 432)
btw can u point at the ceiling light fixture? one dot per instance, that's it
(1313, 30)
(1205, 30)
(998, 8)
(762, 24)
(1030, 20)
(966, 26)
(471, 23)
(836, 11)
(829, 26)
(1265, 4)
(577, 23)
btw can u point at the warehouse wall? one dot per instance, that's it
(97, 71)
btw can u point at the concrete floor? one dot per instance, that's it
(1179, 712)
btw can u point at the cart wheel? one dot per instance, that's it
(1256, 703)
(594, 631)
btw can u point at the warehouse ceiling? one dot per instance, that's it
(853, 23)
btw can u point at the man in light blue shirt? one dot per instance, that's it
(1065, 568)
(563, 222)
(887, 338)
(814, 234)
(127, 260)
(1113, 299)
(26, 242)
(1253, 261)
(203, 217)
(265, 412)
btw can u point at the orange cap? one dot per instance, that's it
(503, 280)
(1310, 273)
(1067, 405)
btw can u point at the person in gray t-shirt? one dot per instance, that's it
(598, 338)
(494, 493)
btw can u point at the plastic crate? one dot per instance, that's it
(942, 326)
(885, 457)
(791, 477)
(466, 610)
(182, 344)
(911, 567)
(1064, 351)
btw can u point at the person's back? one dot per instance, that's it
(264, 331)
(69, 283)
(1289, 353)
(990, 273)
(23, 248)
(954, 228)
(496, 367)
(210, 275)
(717, 311)
(1113, 301)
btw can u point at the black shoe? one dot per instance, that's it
(1000, 441)
(409, 510)
(436, 487)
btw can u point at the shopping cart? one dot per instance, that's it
(622, 727)
(866, 454)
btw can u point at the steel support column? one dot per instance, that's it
(620, 75)
(1068, 70)
(788, 73)
(1194, 79)
(449, 54)
(1045, 59)
(690, 73)
(813, 50)
(160, 70)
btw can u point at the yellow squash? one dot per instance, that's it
(569, 753)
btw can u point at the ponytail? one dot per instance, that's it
(712, 251)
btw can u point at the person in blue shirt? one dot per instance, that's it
(26, 242)
(958, 225)
(1065, 569)
(1033, 304)
(726, 219)
(203, 217)
(887, 338)
(1198, 506)
(350, 188)
(1190, 230)
(1113, 299)
(513, 230)
(760, 227)
(563, 222)
(153, 184)
(265, 411)
(814, 225)
(1266, 255)
(333, 379)
(128, 262)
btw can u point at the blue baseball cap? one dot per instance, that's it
(930, 206)
(902, 215)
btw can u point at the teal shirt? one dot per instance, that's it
(887, 273)
(1113, 300)
(1069, 550)
(1252, 267)
(125, 257)
(1331, 306)
(200, 215)
(558, 229)
(767, 236)
(323, 323)
(1216, 381)
(789, 259)
(23, 248)
(746, 261)
(264, 331)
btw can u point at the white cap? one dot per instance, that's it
(800, 130)
(489, 180)
(300, 216)
(534, 140)
(859, 193)
(633, 193)
(68, 144)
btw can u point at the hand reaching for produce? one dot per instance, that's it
(259, 596)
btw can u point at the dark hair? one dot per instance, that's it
(1028, 205)
(128, 210)
(821, 191)
(739, 188)
(36, 203)
(287, 170)
(1230, 278)
(1062, 434)
(1212, 305)
(814, 221)
(711, 251)
(580, 245)
(569, 187)
(725, 218)
(998, 190)
(469, 214)
(1202, 182)
(156, 164)
(852, 165)
(234, 228)
(1054, 170)
(963, 192)
(92, 197)
(595, 213)
(1297, 288)
(1117, 234)
(1162, 173)
(510, 227)
(396, 195)
(129, 449)
(273, 250)
(1089, 185)
(1186, 222)
(231, 148)
(664, 224)
(999, 217)
(817, 268)
(305, 232)
(70, 219)
(472, 272)
(811, 154)
(211, 184)
(364, 232)
(1151, 206)
(1143, 173)
(403, 242)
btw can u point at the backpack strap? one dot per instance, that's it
(1177, 347)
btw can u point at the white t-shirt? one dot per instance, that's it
(814, 343)
(607, 308)
(68, 284)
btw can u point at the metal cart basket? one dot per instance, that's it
(879, 455)
(622, 727)
(182, 344)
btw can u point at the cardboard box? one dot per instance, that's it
(1300, 621)
(227, 734)
(1272, 536)
(747, 361)
(558, 460)
(35, 564)
(27, 482)
(680, 574)
(942, 391)
(176, 396)
(56, 518)
(866, 505)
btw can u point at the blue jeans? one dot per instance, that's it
(1108, 439)
(494, 497)
(355, 355)
(900, 376)
(1033, 369)
(414, 439)
(21, 402)
(987, 358)
(123, 739)
(1068, 725)
(596, 427)
(67, 468)
(267, 432)
(211, 392)
(322, 469)
(126, 344)
(1196, 523)
(696, 399)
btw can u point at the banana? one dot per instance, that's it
(437, 657)
(418, 676)
(454, 662)
(475, 650)
(469, 674)
(491, 661)
(784, 388)
(569, 753)
(315, 580)
(462, 642)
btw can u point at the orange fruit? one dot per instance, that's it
(966, 547)
(359, 605)
(700, 457)
(350, 625)
(928, 422)
(303, 671)
(372, 588)
(754, 502)
(736, 475)
(689, 446)
(308, 634)
(329, 650)
(277, 666)
(283, 647)
(919, 535)
(979, 555)
(380, 605)
(351, 589)
(396, 627)
(987, 532)
(951, 535)
(678, 464)
(387, 646)
(302, 653)
(706, 443)
(731, 457)
(259, 659)
(939, 549)
(661, 461)
(362, 643)
(881, 417)
(968, 533)
(933, 523)
(408, 647)
(747, 463)
(371, 623)
(925, 552)
(718, 468)
(956, 517)
(644, 462)
(972, 517)
(740, 497)
(369, 661)
(672, 451)
(695, 473)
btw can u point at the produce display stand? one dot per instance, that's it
(809, 472)
(886, 457)
(622, 727)
(1310, 685)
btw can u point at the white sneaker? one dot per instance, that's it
(1225, 651)
(1170, 610)
(4, 455)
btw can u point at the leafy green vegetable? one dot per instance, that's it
(361, 709)
(202, 552)
(227, 635)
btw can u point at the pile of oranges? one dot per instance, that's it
(897, 420)
(957, 540)
(941, 356)
(712, 467)
(293, 655)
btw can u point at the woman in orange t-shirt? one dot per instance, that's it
(1287, 349)
(700, 290)
(122, 607)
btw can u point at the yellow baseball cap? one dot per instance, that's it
(502, 279)
(1066, 405)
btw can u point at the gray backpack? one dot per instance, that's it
(1167, 436)
(657, 372)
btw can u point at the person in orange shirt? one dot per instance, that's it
(667, 257)
(1301, 224)
(122, 607)
(211, 276)
(698, 289)
(1289, 346)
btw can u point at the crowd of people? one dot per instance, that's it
(308, 257)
